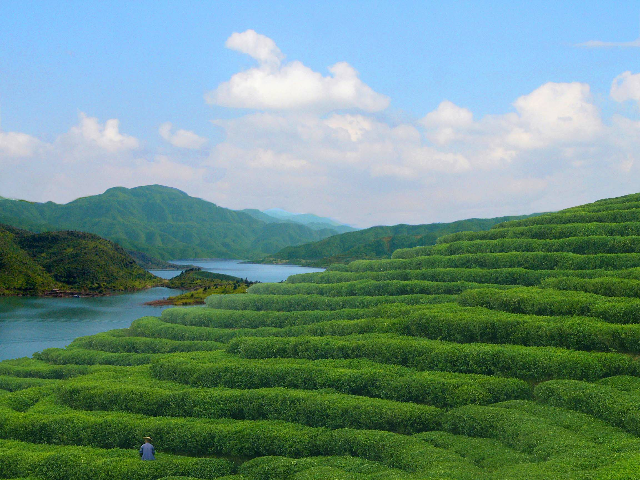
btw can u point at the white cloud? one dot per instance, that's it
(90, 133)
(448, 114)
(554, 147)
(258, 46)
(447, 122)
(181, 138)
(419, 161)
(556, 112)
(355, 126)
(626, 86)
(601, 44)
(552, 116)
(292, 86)
(15, 144)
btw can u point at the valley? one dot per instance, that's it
(509, 353)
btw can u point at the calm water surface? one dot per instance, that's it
(29, 325)
(251, 271)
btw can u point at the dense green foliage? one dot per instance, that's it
(163, 222)
(18, 271)
(200, 285)
(151, 263)
(375, 242)
(197, 278)
(68, 261)
(507, 354)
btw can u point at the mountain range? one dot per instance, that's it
(166, 223)
(277, 215)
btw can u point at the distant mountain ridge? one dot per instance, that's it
(33, 263)
(310, 220)
(163, 222)
(378, 242)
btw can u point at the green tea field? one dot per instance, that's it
(511, 353)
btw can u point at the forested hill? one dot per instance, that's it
(33, 263)
(377, 242)
(506, 354)
(162, 222)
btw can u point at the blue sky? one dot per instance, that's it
(87, 89)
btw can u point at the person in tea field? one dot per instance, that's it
(147, 451)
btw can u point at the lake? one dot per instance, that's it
(31, 324)
(253, 272)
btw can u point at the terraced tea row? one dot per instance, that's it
(507, 354)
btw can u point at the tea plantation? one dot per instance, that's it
(511, 353)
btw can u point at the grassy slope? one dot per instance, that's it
(476, 359)
(376, 242)
(33, 263)
(162, 222)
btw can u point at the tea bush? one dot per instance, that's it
(538, 301)
(534, 363)
(289, 303)
(308, 408)
(580, 245)
(355, 377)
(366, 288)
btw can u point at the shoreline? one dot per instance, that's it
(78, 293)
(171, 302)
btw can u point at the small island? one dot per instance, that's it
(201, 284)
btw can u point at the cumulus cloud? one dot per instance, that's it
(258, 46)
(355, 126)
(291, 86)
(626, 86)
(553, 150)
(552, 116)
(90, 133)
(15, 145)
(557, 112)
(448, 114)
(181, 138)
(447, 122)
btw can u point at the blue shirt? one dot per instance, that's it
(147, 451)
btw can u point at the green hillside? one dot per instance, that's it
(18, 271)
(33, 263)
(151, 263)
(162, 222)
(198, 278)
(376, 242)
(512, 353)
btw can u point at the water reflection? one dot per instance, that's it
(28, 325)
